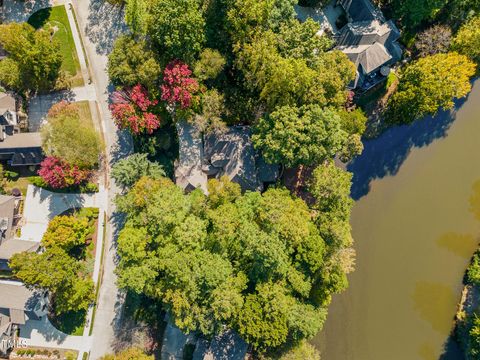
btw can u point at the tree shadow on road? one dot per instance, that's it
(105, 24)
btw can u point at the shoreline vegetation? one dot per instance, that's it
(466, 329)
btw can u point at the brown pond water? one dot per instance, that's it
(415, 228)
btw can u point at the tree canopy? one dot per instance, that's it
(71, 137)
(131, 62)
(467, 40)
(299, 136)
(249, 261)
(177, 29)
(34, 59)
(431, 83)
(129, 170)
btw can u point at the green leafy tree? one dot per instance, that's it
(299, 136)
(353, 122)
(177, 29)
(210, 118)
(69, 136)
(34, 58)
(300, 40)
(303, 351)
(330, 186)
(352, 147)
(222, 191)
(209, 65)
(429, 84)
(473, 270)
(263, 321)
(129, 170)
(66, 232)
(54, 270)
(247, 17)
(467, 40)
(320, 79)
(131, 62)
(473, 349)
(135, 16)
(413, 12)
(247, 262)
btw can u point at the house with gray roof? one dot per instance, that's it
(231, 154)
(17, 148)
(9, 218)
(369, 41)
(17, 305)
(364, 35)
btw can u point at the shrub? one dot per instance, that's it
(59, 175)
(473, 270)
(132, 110)
(89, 187)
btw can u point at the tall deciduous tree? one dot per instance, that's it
(177, 28)
(131, 62)
(209, 65)
(179, 87)
(132, 109)
(299, 136)
(56, 271)
(467, 40)
(33, 56)
(245, 261)
(69, 136)
(433, 40)
(429, 84)
(136, 16)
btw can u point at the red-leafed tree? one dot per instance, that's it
(178, 87)
(58, 174)
(132, 109)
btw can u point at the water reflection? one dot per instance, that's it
(431, 299)
(475, 200)
(384, 155)
(461, 245)
(427, 351)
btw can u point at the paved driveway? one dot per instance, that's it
(20, 11)
(42, 205)
(42, 333)
(39, 105)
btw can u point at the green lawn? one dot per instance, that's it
(84, 111)
(55, 19)
(70, 323)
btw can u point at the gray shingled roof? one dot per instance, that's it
(361, 10)
(17, 296)
(14, 246)
(7, 102)
(22, 140)
(370, 57)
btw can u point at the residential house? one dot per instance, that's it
(9, 218)
(202, 157)
(369, 41)
(363, 34)
(17, 305)
(16, 148)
